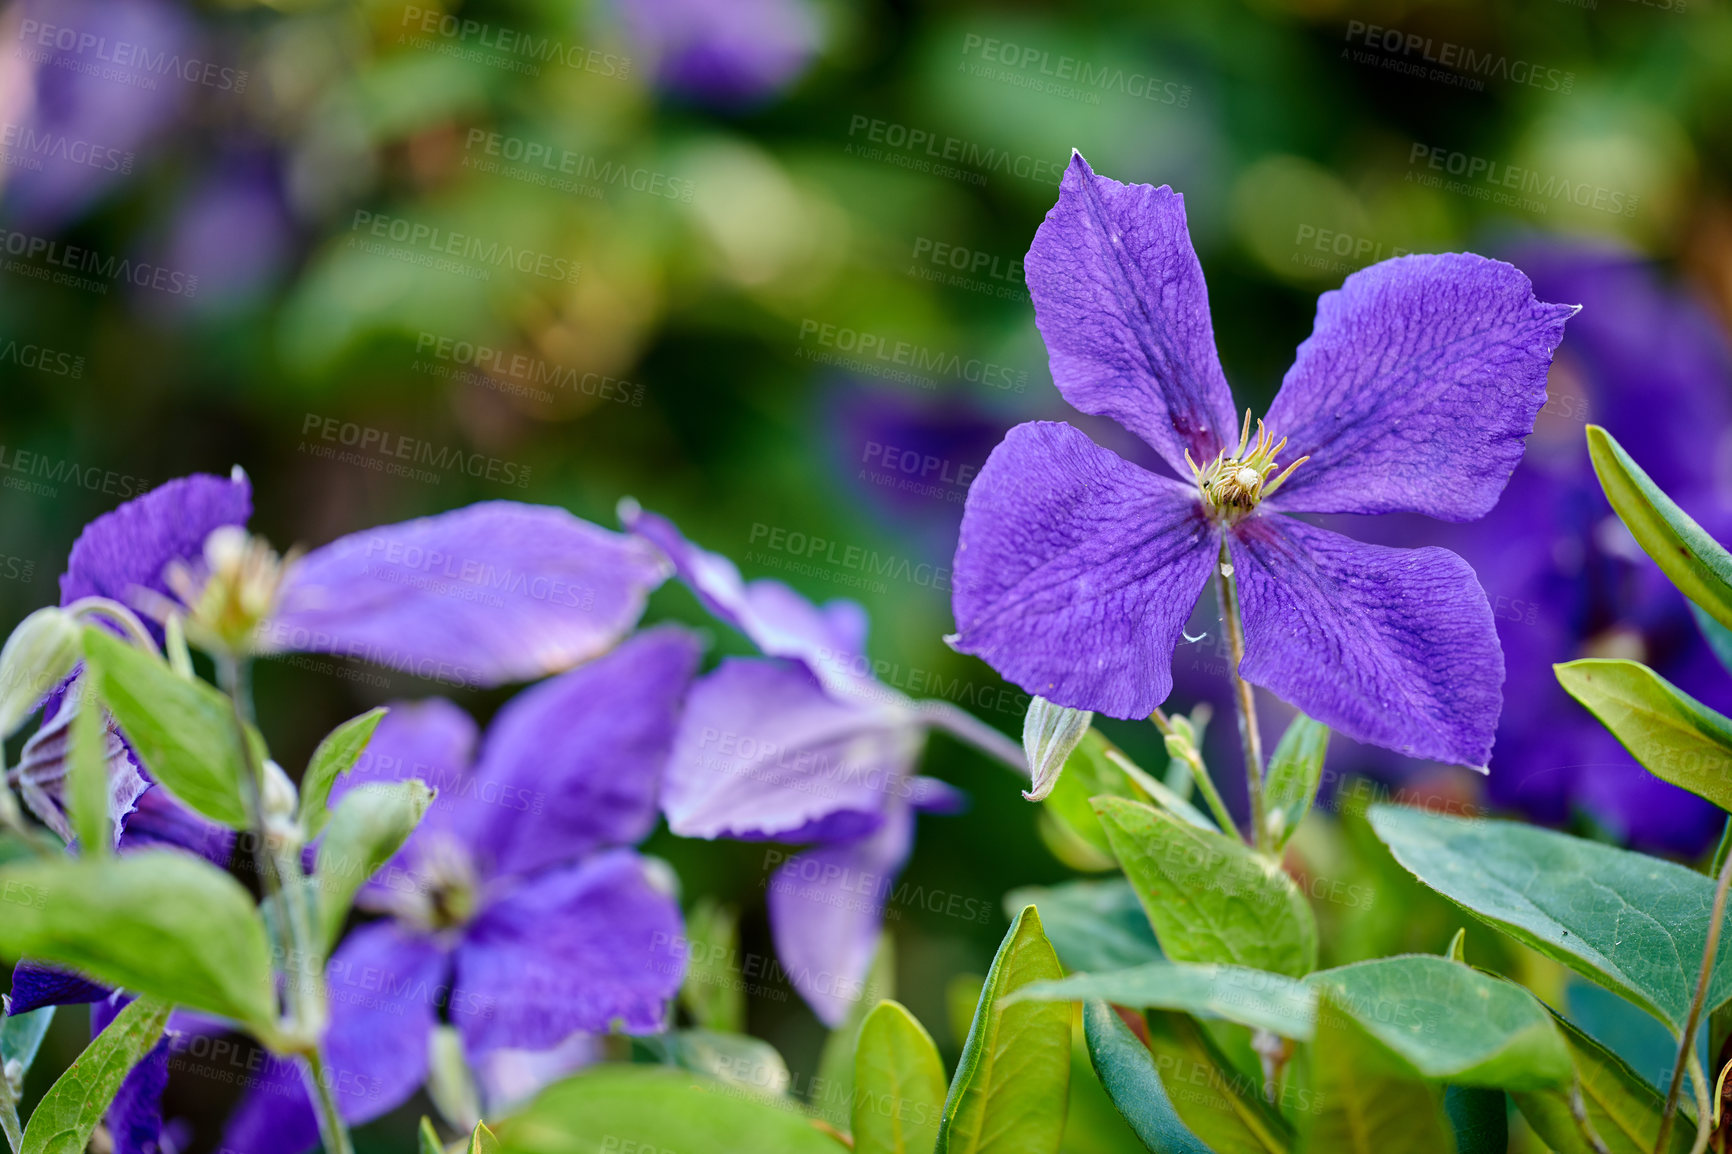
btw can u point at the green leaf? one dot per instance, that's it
(1620, 1104)
(156, 922)
(898, 1084)
(68, 1114)
(660, 1108)
(1674, 736)
(1209, 897)
(1634, 924)
(370, 824)
(712, 990)
(1252, 998)
(336, 755)
(834, 1087)
(183, 731)
(738, 1059)
(482, 1140)
(1686, 554)
(1222, 1107)
(21, 1036)
(427, 1138)
(1126, 1070)
(1012, 1082)
(1368, 1100)
(1719, 637)
(1450, 1022)
(1088, 773)
(1294, 772)
(1093, 925)
(1478, 1118)
(87, 782)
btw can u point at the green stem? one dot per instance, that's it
(1687, 1041)
(333, 1131)
(1200, 774)
(1722, 850)
(1249, 736)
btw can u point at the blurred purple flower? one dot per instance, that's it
(806, 747)
(83, 109)
(514, 910)
(1567, 580)
(1076, 570)
(729, 53)
(232, 232)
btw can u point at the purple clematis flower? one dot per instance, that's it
(1076, 570)
(490, 593)
(730, 54)
(514, 910)
(806, 747)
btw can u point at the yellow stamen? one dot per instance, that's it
(1285, 473)
(1244, 435)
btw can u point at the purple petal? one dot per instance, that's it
(433, 740)
(830, 639)
(510, 1078)
(929, 795)
(43, 764)
(1119, 296)
(763, 751)
(159, 820)
(491, 593)
(35, 985)
(129, 547)
(580, 948)
(1076, 571)
(275, 1116)
(826, 908)
(575, 763)
(1417, 388)
(731, 55)
(1396, 647)
(134, 1118)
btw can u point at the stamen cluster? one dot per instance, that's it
(1233, 483)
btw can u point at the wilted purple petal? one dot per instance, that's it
(130, 546)
(826, 908)
(1076, 571)
(35, 985)
(43, 765)
(582, 947)
(1396, 647)
(830, 639)
(490, 593)
(1119, 296)
(763, 751)
(732, 54)
(574, 763)
(1417, 388)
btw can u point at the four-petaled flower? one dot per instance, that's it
(1076, 570)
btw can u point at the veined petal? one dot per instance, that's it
(826, 908)
(129, 546)
(45, 759)
(1417, 388)
(1119, 296)
(575, 763)
(829, 638)
(494, 592)
(1076, 571)
(582, 947)
(764, 752)
(1396, 647)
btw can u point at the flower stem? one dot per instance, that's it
(1249, 736)
(333, 1131)
(1687, 1041)
(1193, 761)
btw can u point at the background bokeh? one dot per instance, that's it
(758, 264)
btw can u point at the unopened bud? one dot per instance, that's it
(37, 657)
(280, 802)
(1049, 734)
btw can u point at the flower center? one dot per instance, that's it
(1233, 483)
(442, 893)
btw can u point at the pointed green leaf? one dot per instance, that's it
(1686, 554)
(1093, 925)
(427, 1138)
(1450, 1022)
(482, 1141)
(898, 1084)
(67, 1115)
(156, 922)
(1478, 1118)
(834, 1087)
(183, 731)
(661, 1108)
(1622, 1107)
(1126, 1070)
(21, 1036)
(712, 990)
(1632, 923)
(87, 782)
(336, 755)
(1208, 896)
(370, 824)
(741, 1060)
(1222, 1107)
(1294, 772)
(1088, 773)
(1369, 1100)
(1674, 736)
(1252, 998)
(1012, 1082)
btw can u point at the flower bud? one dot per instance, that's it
(1049, 734)
(37, 657)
